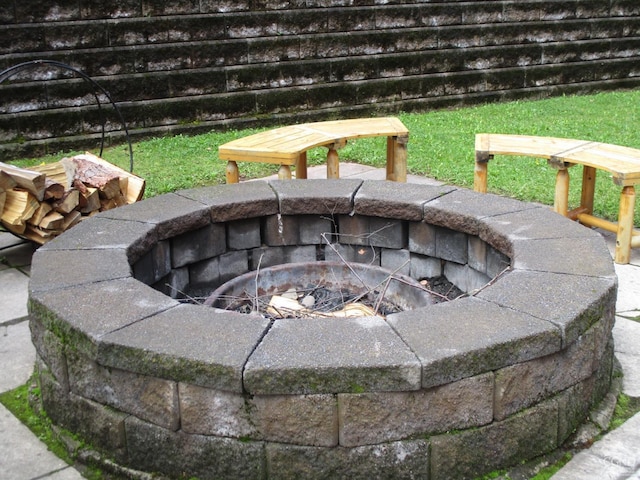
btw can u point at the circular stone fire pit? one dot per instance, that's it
(156, 383)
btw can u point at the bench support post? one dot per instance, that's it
(480, 174)
(233, 176)
(333, 163)
(397, 158)
(284, 173)
(301, 166)
(625, 225)
(561, 200)
(588, 188)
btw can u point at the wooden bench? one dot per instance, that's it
(288, 146)
(623, 163)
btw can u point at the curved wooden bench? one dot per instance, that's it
(623, 163)
(288, 146)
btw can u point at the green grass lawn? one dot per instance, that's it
(441, 146)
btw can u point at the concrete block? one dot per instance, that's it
(197, 245)
(299, 419)
(203, 273)
(340, 355)
(169, 215)
(422, 238)
(485, 338)
(235, 201)
(472, 453)
(266, 257)
(319, 197)
(149, 398)
(206, 411)
(451, 245)
(315, 230)
(374, 417)
(520, 386)
(352, 253)
(291, 461)
(202, 456)
(189, 343)
(398, 261)
(425, 267)
(243, 234)
(233, 264)
(477, 256)
(404, 201)
(571, 302)
(154, 264)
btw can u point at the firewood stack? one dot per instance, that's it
(41, 202)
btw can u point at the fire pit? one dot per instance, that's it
(131, 360)
(323, 288)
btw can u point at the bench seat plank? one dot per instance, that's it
(288, 145)
(623, 163)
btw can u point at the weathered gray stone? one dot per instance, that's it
(169, 214)
(50, 350)
(395, 460)
(81, 315)
(403, 201)
(571, 302)
(521, 385)
(464, 277)
(425, 267)
(459, 339)
(321, 197)
(461, 209)
(233, 264)
(574, 404)
(189, 343)
(501, 231)
(398, 261)
(199, 456)
(154, 264)
(299, 419)
(471, 453)
(477, 257)
(243, 234)
(422, 238)
(99, 233)
(235, 202)
(352, 253)
(331, 355)
(56, 269)
(452, 245)
(371, 418)
(579, 256)
(372, 231)
(297, 230)
(191, 247)
(206, 411)
(497, 262)
(266, 257)
(315, 230)
(152, 399)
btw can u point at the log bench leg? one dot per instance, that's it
(233, 176)
(561, 200)
(284, 173)
(397, 158)
(333, 163)
(625, 225)
(301, 166)
(588, 189)
(480, 176)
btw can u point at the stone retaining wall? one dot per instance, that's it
(192, 66)
(447, 391)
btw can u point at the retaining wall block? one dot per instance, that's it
(202, 456)
(449, 355)
(474, 452)
(197, 245)
(243, 234)
(406, 459)
(371, 418)
(422, 238)
(425, 267)
(149, 398)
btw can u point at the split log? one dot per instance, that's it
(20, 205)
(68, 202)
(91, 200)
(32, 182)
(42, 211)
(52, 221)
(92, 174)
